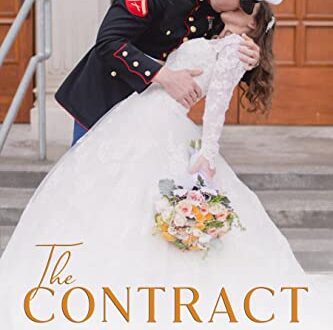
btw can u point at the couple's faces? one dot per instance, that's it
(234, 16)
(238, 18)
(225, 5)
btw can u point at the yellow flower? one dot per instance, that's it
(200, 218)
(200, 226)
(194, 248)
(208, 217)
(164, 227)
(195, 210)
(197, 213)
(168, 237)
(190, 240)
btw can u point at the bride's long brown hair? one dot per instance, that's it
(259, 92)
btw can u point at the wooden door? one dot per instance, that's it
(304, 68)
(304, 58)
(12, 70)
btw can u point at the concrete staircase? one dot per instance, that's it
(302, 211)
(301, 205)
(295, 186)
(17, 184)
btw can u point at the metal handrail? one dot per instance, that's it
(35, 65)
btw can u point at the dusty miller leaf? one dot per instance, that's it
(167, 186)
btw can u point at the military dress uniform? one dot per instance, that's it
(133, 40)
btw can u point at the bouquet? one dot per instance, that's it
(191, 219)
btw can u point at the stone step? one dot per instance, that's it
(316, 262)
(305, 218)
(24, 179)
(23, 174)
(299, 209)
(270, 180)
(291, 209)
(313, 248)
(29, 174)
(5, 234)
(309, 239)
(31, 178)
(12, 203)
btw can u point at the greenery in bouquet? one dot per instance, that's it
(192, 219)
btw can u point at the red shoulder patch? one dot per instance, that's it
(137, 7)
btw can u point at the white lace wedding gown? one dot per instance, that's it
(101, 193)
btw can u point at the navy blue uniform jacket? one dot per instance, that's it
(120, 63)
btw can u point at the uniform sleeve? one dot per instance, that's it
(126, 21)
(227, 74)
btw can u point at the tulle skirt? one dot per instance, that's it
(96, 206)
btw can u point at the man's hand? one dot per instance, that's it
(180, 85)
(249, 52)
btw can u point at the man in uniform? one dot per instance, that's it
(134, 40)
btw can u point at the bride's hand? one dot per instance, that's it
(201, 165)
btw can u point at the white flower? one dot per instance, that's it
(162, 205)
(182, 234)
(172, 230)
(189, 230)
(167, 213)
(202, 246)
(179, 220)
(197, 232)
(208, 191)
(180, 192)
(225, 228)
(205, 238)
(216, 208)
(184, 207)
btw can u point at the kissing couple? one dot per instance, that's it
(152, 61)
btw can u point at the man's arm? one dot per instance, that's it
(122, 25)
(125, 21)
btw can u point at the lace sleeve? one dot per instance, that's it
(227, 73)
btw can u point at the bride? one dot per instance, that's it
(83, 255)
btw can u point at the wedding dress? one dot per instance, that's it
(101, 194)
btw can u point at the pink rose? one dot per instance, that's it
(204, 208)
(222, 216)
(213, 232)
(184, 208)
(195, 197)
